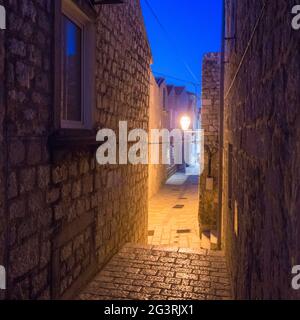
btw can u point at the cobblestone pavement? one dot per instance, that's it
(173, 213)
(161, 273)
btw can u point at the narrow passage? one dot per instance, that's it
(156, 273)
(173, 213)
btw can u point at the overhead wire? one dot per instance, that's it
(171, 40)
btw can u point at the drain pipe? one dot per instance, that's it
(221, 132)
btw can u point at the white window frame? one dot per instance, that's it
(78, 17)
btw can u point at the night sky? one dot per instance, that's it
(193, 27)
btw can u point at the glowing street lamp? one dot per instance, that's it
(185, 122)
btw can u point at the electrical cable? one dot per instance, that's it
(171, 40)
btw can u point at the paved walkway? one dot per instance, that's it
(160, 273)
(173, 213)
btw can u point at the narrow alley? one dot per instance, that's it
(173, 213)
(161, 273)
(149, 150)
(173, 265)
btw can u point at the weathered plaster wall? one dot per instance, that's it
(157, 120)
(209, 180)
(262, 123)
(180, 105)
(68, 217)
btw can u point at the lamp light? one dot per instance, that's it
(185, 123)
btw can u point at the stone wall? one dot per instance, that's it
(209, 180)
(29, 102)
(262, 152)
(67, 215)
(2, 156)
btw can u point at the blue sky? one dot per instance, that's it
(193, 28)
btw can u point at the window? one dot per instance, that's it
(164, 99)
(230, 177)
(77, 76)
(71, 108)
(236, 219)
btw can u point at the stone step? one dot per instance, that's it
(209, 240)
(171, 171)
(205, 240)
(213, 240)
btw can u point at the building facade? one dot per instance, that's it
(181, 103)
(210, 124)
(70, 69)
(261, 175)
(158, 119)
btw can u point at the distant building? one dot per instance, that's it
(193, 110)
(158, 119)
(209, 181)
(180, 103)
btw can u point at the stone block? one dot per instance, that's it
(16, 152)
(24, 258)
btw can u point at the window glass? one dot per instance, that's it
(164, 99)
(71, 71)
